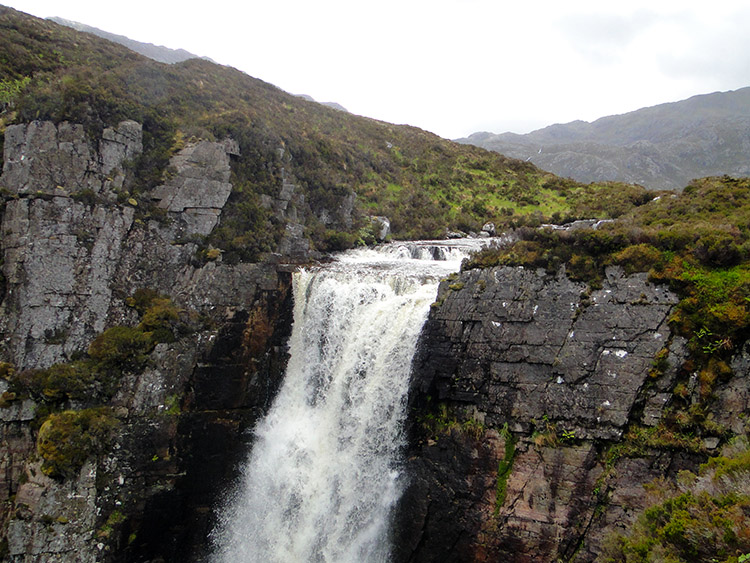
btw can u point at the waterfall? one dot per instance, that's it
(324, 472)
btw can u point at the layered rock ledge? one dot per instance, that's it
(561, 370)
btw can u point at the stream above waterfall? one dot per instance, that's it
(325, 472)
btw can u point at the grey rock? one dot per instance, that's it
(382, 227)
(527, 345)
(60, 260)
(118, 146)
(60, 520)
(40, 157)
(196, 193)
(733, 396)
(17, 411)
(294, 243)
(542, 354)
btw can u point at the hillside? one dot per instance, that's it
(424, 184)
(155, 52)
(660, 147)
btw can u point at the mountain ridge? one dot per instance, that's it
(158, 53)
(660, 147)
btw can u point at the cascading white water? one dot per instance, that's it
(324, 475)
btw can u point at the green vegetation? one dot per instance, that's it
(73, 420)
(504, 468)
(702, 518)
(546, 434)
(10, 89)
(443, 421)
(95, 378)
(423, 183)
(67, 439)
(113, 521)
(639, 440)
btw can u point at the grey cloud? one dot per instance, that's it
(603, 37)
(719, 55)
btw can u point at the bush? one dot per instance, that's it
(60, 382)
(337, 240)
(67, 439)
(704, 518)
(121, 347)
(159, 318)
(718, 248)
(637, 258)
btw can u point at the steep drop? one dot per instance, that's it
(324, 472)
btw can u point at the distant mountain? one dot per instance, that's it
(334, 105)
(155, 52)
(660, 147)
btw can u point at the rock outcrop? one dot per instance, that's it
(75, 247)
(524, 383)
(197, 191)
(44, 158)
(60, 260)
(528, 345)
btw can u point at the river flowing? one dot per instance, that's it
(324, 473)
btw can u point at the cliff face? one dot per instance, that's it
(524, 385)
(75, 248)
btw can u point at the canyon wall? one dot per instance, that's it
(528, 391)
(75, 248)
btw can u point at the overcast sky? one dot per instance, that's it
(453, 67)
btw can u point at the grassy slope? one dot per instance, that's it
(423, 183)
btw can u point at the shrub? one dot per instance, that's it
(10, 90)
(67, 439)
(60, 382)
(704, 518)
(7, 371)
(159, 318)
(637, 258)
(121, 347)
(718, 248)
(142, 299)
(337, 240)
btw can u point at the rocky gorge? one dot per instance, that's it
(525, 384)
(579, 390)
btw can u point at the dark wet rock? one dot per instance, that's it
(564, 368)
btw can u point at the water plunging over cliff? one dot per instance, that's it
(324, 471)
